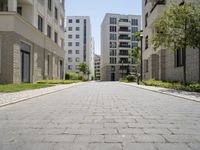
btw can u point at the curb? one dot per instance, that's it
(43, 94)
(166, 93)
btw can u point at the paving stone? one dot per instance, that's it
(118, 138)
(105, 146)
(71, 146)
(142, 138)
(139, 146)
(104, 131)
(89, 138)
(173, 146)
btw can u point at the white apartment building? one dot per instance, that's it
(165, 64)
(117, 41)
(79, 44)
(97, 66)
(31, 40)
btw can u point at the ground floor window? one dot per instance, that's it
(178, 58)
(146, 65)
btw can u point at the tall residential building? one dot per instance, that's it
(165, 64)
(31, 40)
(79, 44)
(97, 66)
(117, 41)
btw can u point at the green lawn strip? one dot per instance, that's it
(7, 88)
(193, 87)
(58, 81)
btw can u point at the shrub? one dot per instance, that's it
(72, 76)
(131, 78)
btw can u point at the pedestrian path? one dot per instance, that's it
(10, 98)
(194, 96)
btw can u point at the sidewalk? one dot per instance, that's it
(194, 96)
(10, 98)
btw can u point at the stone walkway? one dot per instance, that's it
(194, 96)
(9, 98)
(101, 116)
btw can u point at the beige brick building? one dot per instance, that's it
(165, 64)
(31, 40)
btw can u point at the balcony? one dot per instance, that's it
(124, 46)
(124, 23)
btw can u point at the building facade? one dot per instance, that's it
(79, 44)
(97, 66)
(31, 40)
(165, 64)
(117, 41)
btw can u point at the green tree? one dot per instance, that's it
(83, 67)
(136, 52)
(173, 29)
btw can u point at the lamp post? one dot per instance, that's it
(141, 57)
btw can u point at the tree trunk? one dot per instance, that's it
(199, 65)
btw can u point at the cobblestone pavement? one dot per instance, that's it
(8, 98)
(101, 116)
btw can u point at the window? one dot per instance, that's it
(134, 22)
(69, 28)
(113, 60)
(113, 20)
(134, 29)
(62, 42)
(134, 45)
(62, 21)
(146, 42)
(49, 4)
(113, 36)
(113, 44)
(146, 65)
(69, 67)
(77, 51)
(19, 10)
(69, 43)
(56, 37)
(77, 67)
(77, 36)
(77, 21)
(70, 21)
(69, 59)
(112, 52)
(123, 20)
(49, 31)
(69, 51)
(56, 13)
(146, 17)
(70, 36)
(77, 43)
(113, 29)
(40, 23)
(179, 58)
(146, 2)
(133, 38)
(77, 28)
(77, 59)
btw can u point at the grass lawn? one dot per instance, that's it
(58, 81)
(21, 87)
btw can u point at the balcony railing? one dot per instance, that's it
(124, 30)
(124, 38)
(125, 46)
(157, 2)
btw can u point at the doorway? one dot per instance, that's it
(25, 63)
(112, 76)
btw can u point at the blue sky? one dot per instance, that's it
(96, 9)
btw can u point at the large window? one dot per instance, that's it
(70, 21)
(134, 29)
(113, 44)
(49, 31)
(146, 42)
(146, 17)
(113, 20)
(49, 5)
(69, 28)
(179, 58)
(113, 29)
(113, 36)
(56, 37)
(40, 23)
(112, 52)
(56, 13)
(134, 22)
(146, 65)
(69, 59)
(113, 60)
